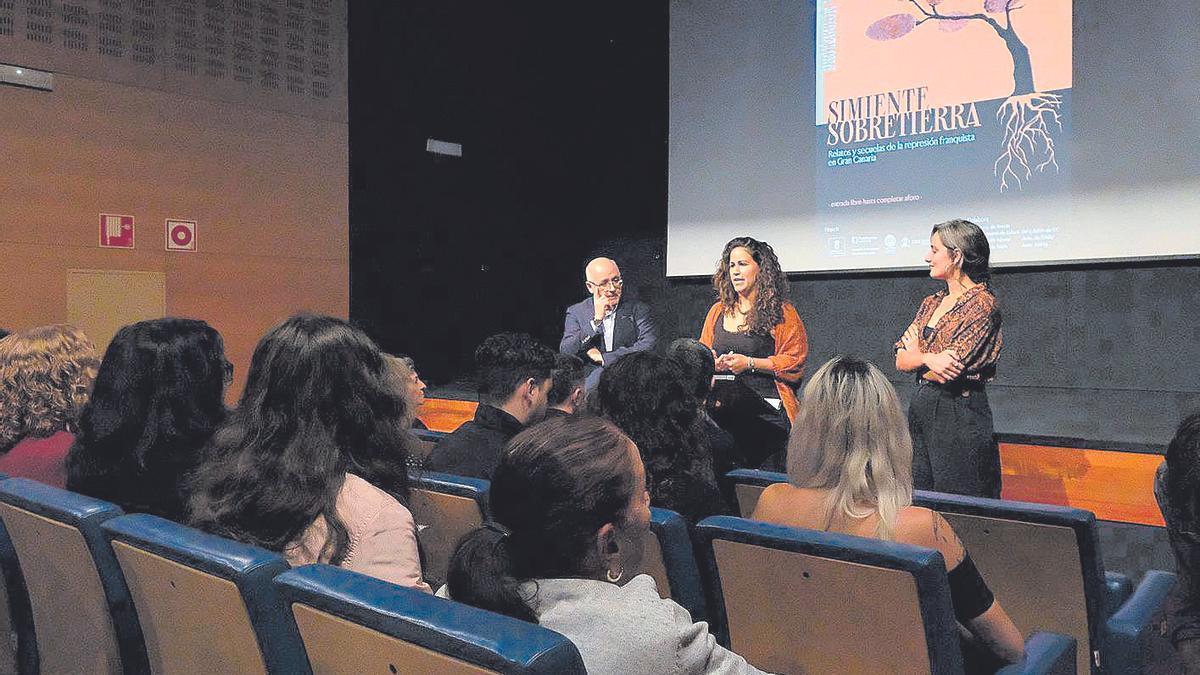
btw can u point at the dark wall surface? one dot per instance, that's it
(562, 113)
(562, 119)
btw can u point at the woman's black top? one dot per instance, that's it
(754, 345)
(969, 593)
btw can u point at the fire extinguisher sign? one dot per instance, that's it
(181, 235)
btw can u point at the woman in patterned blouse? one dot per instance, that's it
(952, 346)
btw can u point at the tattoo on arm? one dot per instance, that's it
(948, 542)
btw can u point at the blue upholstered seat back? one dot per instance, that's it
(399, 618)
(18, 615)
(1042, 561)
(429, 435)
(55, 585)
(873, 583)
(673, 550)
(749, 483)
(249, 568)
(445, 507)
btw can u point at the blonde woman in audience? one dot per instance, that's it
(411, 388)
(571, 513)
(850, 471)
(311, 463)
(46, 375)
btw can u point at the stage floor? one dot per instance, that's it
(1095, 450)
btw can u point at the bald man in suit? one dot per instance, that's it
(602, 328)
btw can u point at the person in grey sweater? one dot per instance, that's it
(570, 512)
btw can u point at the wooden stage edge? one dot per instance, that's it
(1116, 486)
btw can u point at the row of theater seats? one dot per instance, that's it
(93, 590)
(1045, 565)
(1042, 561)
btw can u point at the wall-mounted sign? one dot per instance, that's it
(181, 235)
(116, 231)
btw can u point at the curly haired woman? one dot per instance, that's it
(648, 397)
(46, 375)
(754, 332)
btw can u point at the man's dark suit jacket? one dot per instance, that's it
(474, 448)
(633, 331)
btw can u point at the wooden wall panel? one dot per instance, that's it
(268, 189)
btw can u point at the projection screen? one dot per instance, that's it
(840, 131)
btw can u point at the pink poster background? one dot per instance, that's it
(970, 64)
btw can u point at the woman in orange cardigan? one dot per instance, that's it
(754, 332)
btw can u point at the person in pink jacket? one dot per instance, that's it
(311, 463)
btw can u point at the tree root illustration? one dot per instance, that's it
(1028, 144)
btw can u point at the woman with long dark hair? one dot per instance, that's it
(952, 346)
(570, 513)
(157, 399)
(650, 399)
(757, 337)
(312, 461)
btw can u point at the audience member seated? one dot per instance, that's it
(566, 386)
(311, 462)
(514, 380)
(46, 375)
(648, 397)
(411, 388)
(571, 513)
(158, 397)
(850, 470)
(1177, 488)
(699, 366)
(407, 369)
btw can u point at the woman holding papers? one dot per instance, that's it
(755, 333)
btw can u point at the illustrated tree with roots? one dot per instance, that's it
(1028, 115)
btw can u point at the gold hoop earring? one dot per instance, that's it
(614, 578)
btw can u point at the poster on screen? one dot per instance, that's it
(181, 235)
(116, 231)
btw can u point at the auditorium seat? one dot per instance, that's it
(18, 649)
(204, 599)
(9, 637)
(84, 620)
(351, 623)
(1044, 564)
(748, 484)
(445, 507)
(669, 558)
(794, 600)
(429, 435)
